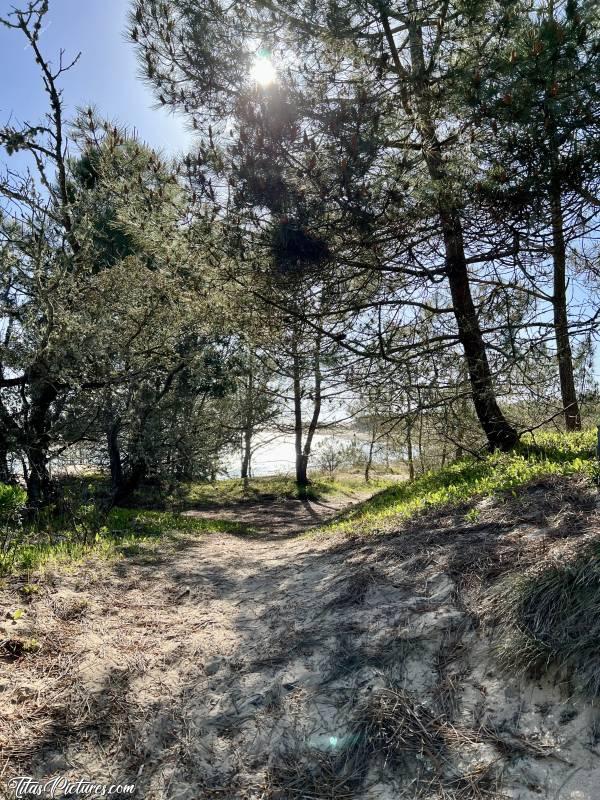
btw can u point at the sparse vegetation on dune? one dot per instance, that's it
(549, 618)
(469, 479)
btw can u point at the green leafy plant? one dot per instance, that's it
(12, 504)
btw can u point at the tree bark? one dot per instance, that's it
(314, 420)
(114, 452)
(5, 475)
(409, 452)
(43, 393)
(303, 452)
(561, 320)
(499, 433)
(370, 456)
(248, 427)
(301, 464)
(7, 446)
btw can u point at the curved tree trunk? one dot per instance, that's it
(499, 432)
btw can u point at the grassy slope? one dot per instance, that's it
(469, 479)
(546, 617)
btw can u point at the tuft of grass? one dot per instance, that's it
(551, 618)
(307, 774)
(462, 482)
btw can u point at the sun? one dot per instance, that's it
(263, 71)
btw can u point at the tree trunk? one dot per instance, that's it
(114, 452)
(420, 444)
(499, 433)
(301, 477)
(39, 491)
(6, 447)
(370, 456)
(43, 394)
(409, 452)
(314, 420)
(444, 453)
(302, 473)
(245, 465)
(303, 452)
(247, 454)
(130, 482)
(248, 428)
(5, 474)
(561, 319)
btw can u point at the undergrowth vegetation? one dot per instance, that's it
(122, 532)
(466, 480)
(551, 618)
(80, 526)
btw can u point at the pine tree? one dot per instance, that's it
(370, 130)
(537, 96)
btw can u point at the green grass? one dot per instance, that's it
(125, 532)
(54, 541)
(278, 487)
(551, 617)
(466, 480)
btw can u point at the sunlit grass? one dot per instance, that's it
(125, 532)
(545, 454)
(278, 487)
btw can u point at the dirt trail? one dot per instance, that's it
(277, 666)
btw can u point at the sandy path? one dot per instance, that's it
(274, 667)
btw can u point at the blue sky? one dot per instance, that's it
(105, 75)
